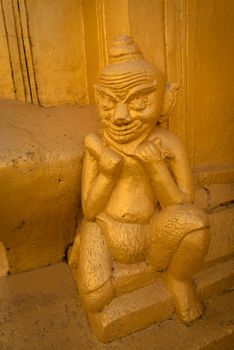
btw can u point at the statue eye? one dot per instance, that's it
(138, 103)
(107, 103)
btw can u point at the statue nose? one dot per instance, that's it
(121, 115)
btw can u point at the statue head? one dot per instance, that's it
(129, 93)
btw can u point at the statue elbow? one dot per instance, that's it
(90, 216)
(88, 212)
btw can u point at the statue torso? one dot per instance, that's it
(132, 199)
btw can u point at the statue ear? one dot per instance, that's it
(169, 101)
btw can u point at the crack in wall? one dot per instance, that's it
(216, 207)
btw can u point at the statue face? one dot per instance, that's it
(128, 117)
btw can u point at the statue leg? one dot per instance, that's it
(94, 268)
(178, 243)
(187, 260)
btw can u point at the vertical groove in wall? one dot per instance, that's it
(85, 44)
(101, 29)
(184, 62)
(14, 54)
(19, 41)
(27, 51)
(166, 53)
(29, 54)
(165, 32)
(175, 16)
(191, 22)
(182, 6)
(91, 44)
(17, 35)
(8, 46)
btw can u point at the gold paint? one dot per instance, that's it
(191, 44)
(137, 191)
(185, 39)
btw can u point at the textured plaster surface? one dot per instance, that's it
(40, 163)
(40, 310)
(217, 200)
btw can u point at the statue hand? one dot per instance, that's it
(148, 152)
(110, 162)
(94, 145)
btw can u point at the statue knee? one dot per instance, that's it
(198, 241)
(190, 255)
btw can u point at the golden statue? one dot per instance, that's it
(137, 189)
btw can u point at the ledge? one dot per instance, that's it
(54, 319)
(139, 309)
(40, 164)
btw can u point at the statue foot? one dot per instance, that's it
(187, 304)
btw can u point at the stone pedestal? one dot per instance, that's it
(152, 303)
(141, 295)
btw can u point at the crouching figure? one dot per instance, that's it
(137, 190)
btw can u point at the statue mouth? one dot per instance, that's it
(124, 130)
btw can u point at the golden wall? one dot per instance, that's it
(52, 51)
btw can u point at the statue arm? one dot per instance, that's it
(164, 186)
(181, 172)
(89, 173)
(98, 180)
(174, 185)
